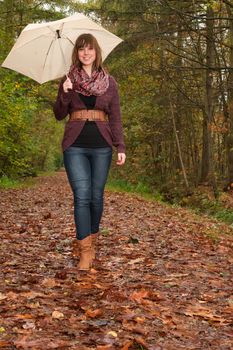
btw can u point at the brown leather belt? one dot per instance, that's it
(89, 114)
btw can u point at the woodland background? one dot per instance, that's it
(175, 75)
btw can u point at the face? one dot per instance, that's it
(87, 55)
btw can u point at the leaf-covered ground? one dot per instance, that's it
(161, 282)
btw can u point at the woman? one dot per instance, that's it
(90, 96)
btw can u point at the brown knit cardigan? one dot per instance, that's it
(111, 130)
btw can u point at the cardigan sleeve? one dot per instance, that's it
(115, 119)
(61, 106)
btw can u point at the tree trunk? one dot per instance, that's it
(207, 174)
(229, 139)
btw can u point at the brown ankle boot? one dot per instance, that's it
(85, 246)
(94, 243)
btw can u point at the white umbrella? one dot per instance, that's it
(43, 50)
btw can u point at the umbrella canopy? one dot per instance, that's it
(43, 50)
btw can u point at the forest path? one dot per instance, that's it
(160, 282)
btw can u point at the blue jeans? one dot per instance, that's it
(87, 171)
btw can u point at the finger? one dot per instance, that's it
(120, 160)
(67, 79)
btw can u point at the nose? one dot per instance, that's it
(85, 50)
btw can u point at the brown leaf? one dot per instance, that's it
(57, 315)
(23, 316)
(104, 347)
(33, 305)
(127, 345)
(47, 216)
(139, 296)
(62, 275)
(49, 282)
(141, 341)
(27, 344)
(204, 312)
(93, 313)
(140, 319)
(4, 344)
(31, 294)
(12, 295)
(2, 296)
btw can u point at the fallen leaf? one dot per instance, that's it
(104, 347)
(139, 296)
(57, 315)
(112, 333)
(139, 319)
(2, 296)
(27, 344)
(4, 344)
(49, 282)
(33, 305)
(29, 325)
(141, 341)
(127, 345)
(204, 313)
(93, 313)
(23, 316)
(62, 275)
(136, 261)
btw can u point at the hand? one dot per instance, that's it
(121, 158)
(67, 85)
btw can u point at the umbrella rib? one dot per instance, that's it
(47, 53)
(66, 37)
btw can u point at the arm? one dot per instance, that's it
(115, 120)
(61, 106)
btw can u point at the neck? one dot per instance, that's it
(88, 69)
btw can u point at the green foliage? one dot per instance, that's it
(204, 203)
(6, 182)
(121, 185)
(224, 214)
(29, 135)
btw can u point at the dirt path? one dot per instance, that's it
(160, 283)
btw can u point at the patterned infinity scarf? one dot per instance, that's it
(96, 85)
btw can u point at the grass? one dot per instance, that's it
(214, 209)
(7, 183)
(224, 214)
(120, 185)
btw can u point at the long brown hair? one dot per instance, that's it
(85, 40)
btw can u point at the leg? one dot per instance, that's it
(77, 165)
(100, 164)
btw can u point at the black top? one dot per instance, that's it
(90, 136)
